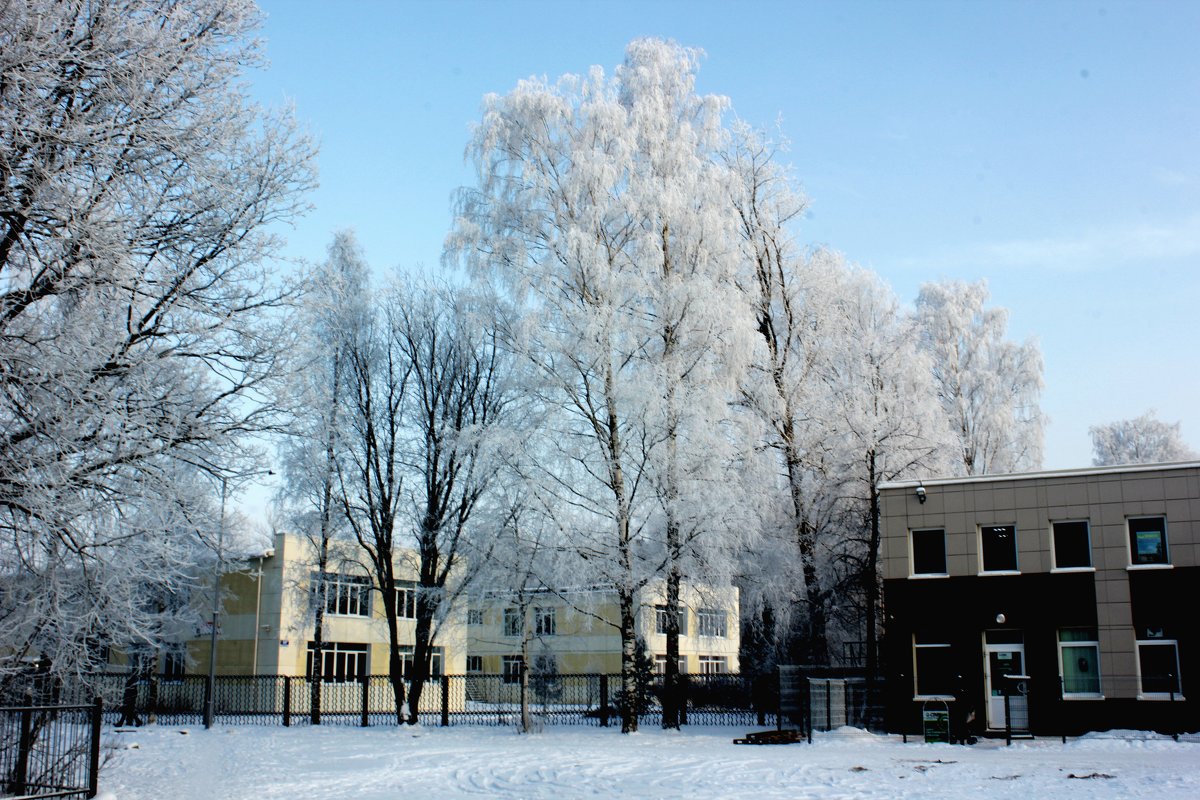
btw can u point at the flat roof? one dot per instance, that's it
(1028, 476)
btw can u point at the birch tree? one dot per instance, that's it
(330, 322)
(599, 212)
(989, 387)
(1141, 440)
(136, 185)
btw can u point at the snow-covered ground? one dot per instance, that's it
(562, 763)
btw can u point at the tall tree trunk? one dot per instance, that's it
(870, 574)
(323, 546)
(673, 682)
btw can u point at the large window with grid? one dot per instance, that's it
(711, 622)
(345, 595)
(341, 662)
(713, 665)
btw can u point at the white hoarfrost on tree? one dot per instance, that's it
(1141, 440)
(989, 387)
(329, 321)
(136, 185)
(601, 212)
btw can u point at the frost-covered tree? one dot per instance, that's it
(989, 387)
(1141, 440)
(137, 182)
(884, 424)
(601, 213)
(329, 322)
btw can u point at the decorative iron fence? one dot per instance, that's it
(474, 699)
(50, 751)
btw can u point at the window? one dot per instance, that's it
(660, 665)
(406, 600)
(340, 662)
(544, 621)
(933, 669)
(710, 622)
(346, 595)
(512, 622)
(174, 663)
(474, 616)
(1072, 545)
(1158, 667)
(660, 620)
(713, 665)
(1148, 541)
(511, 668)
(929, 552)
(1079, 662)
(474, 663)
(998, 548)
(435, 662)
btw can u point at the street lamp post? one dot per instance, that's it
(210, 691)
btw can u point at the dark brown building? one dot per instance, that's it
(1082, 583)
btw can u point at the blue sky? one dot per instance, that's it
(1052, 148)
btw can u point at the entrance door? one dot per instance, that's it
(1000, 659)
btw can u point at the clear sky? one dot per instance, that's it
(1052, 148)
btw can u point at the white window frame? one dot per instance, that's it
(1093, 643)
(1016, 554)
(714, 665)
(916, 673)
(342, 654)
(660, 620)
(1144, 695)
(1054, 567)
(1166, 541)
(345, 595)
(712, 623)
(512, 622)
(510, 668)
(474, 616)
(436, 661)
(912, 560)
(474, 664)
(545, 621)
(660, 664)
(406, 600)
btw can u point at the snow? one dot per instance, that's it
(328, 762)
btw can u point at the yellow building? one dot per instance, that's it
(575, 631)
(266, 623)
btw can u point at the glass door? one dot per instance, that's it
(1003, 658)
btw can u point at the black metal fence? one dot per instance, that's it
(50, 751)
(476, 699)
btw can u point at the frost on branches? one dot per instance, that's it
(1141, 440)
(989, 387)
(135, 183)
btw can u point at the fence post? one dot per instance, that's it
(94, 755)
(604, 701)
(681, 698)
(366, 699)
(25, 745)
(287, 702)
(1007, 720)
(446, 701)
(829, 704)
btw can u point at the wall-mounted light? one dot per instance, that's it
(1001, 619)
(921, 495)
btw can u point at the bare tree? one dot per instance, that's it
(136, 185)
(1141, 440)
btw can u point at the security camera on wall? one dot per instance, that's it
(921, 494)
